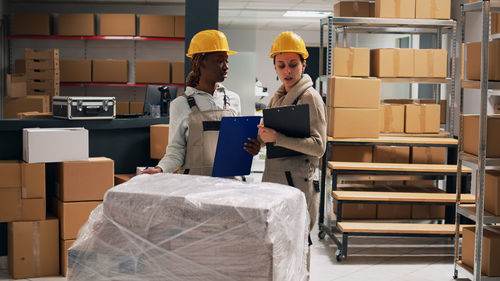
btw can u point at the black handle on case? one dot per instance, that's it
(92, 110)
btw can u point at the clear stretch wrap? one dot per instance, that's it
(181, 227)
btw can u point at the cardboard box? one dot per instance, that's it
(392, 62)
(427, 212)
(31, 24)
(110, 71)
(13, 208)
(353, 9)
(76, 25)
(122, 107)
(16, 85)
(41, 55)
(152, 71)
(495, 23)
(10, 173)
(393, 211)
(121, 178)
(422, 118)
(471, 135)
(117, 25)
(33, 248)
(349, 92)
(35, 115)
(12, 106)
(32, 180)
(352, 153)
(179, 26)
(43, 85)
(76, 70)
(431, 63)
(64, 246)
(84, 180)
(43, 74)
(391, 154)
(38, 92)
(432, 9)
(42, 64)
(351, 62)
(492, 192)
(395, 9)
(159, 140)
(55, 145)
(156, 25)
(136, 107)
(392, 118)
(490, 260)
(178, 73)
(428, 155)
(19, 66)
(473, 62)
(353, 123)
(72, 216)
(356, 211)
(442, 103)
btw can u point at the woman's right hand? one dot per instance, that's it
(152, 170)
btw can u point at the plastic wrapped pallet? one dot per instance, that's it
(181, 227)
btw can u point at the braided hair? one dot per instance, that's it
(193, 78)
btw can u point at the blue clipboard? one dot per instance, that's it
(230, 157)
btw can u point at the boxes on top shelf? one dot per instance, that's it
(473, 61)
(354, 9)
(471, 135)
(76, 25)
(179, 26)
(152, 71)
(117, 25)
(392, 62)
(156, 25)
(31, 24)
(432, 9)
(351, 62)
(395, 9)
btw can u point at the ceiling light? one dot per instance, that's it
(307, 14)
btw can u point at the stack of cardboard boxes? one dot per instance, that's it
(42, 72)
(410, 9)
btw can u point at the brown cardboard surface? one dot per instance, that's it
(76, 24)
(391, 154)
(178, 72)
(12, 106)
(38, 92)
(392, 118)
(117, 25)
(121, 178)
(33, 209)
(427, 212)
(10, 173)
(41, 54)
(46, 85)
(357, 211)
(76, 70)
(35, 115)
(72, 216)
(158, 140)
(156, 25)
(473, 61)
(392, 62)
(19, 66)
(471, 135)
(152, 71)
(395, 9)
(32, 180)
(422, 118)
(352, 9)
(110, 71)
(431, 63)
(43, 74)
(136, 107)
(84, 180)
(122, 107)
(351, 62)
(354, 123)
(492, 192)
(428, 155)
(42, 64)
(33, 248)
(10, 204)
(432, 9)
(31, 24)
(495, 23)
(64, 246)
(347, 92)
(490, 260)
(179, 26)
(352, 153)
(393, 211)
(16, 85)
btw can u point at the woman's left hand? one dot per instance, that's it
(252, 147)
(267, 134)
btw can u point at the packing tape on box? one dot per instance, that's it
(350, 62)
(388, 118)
(36, 247)
(428, 155)
(398, 8)
(430, 65)
(433, 9)
(422, 117)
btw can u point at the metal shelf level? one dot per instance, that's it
(136, 38)
(474, 159)
(477, 6)
(389, 22)
(469, 211)
(324, 78)
(469, 84)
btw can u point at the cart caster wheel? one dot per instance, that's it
(338, 256)
(321, 235)
(455, 276)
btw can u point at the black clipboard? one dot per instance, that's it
(230, 157)
(292, 121)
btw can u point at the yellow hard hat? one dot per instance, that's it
(208, 41)
(288, 42)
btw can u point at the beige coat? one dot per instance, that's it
(300, 167)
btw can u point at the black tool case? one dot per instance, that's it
(84, 108)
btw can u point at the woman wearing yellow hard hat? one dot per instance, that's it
(289, 56)
(195, 114)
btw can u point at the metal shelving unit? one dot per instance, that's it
(476, 211)
(139, 38)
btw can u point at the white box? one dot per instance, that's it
(45, 145)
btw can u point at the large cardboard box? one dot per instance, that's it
(179, 26)
(55, 145)
(442, 103)
(84, 180)
(152, 71)
(392, 118)
(473, 62)
(76, 70)
(393, 211)
(32, 180)
(76, 24)
(431, 63)
(471, 135)
(357, 211)
(492, 192)
(428, 155)
(351, 62)
(178, 72)
(122, 107)
(430, 212)
(350, 92)
(33, 248)
(495, 23)
(10, 173)
(353, 9)
(43, 73)
(136, 107)
(159, 140)
(391, 154)
(353, 123)
(35, 115)
(156, 25)
(31, 24)
(352, 153)
(16, 85)
(395, 9)
(392, 62)
(43, 85)
(13, 208)
(64, 246)
(490, 260)
(422, 118)
(117, 25)
(432, 9)
(110, 71)
(41, 64)
(12, 106)
(41, 54)
(72, 216)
